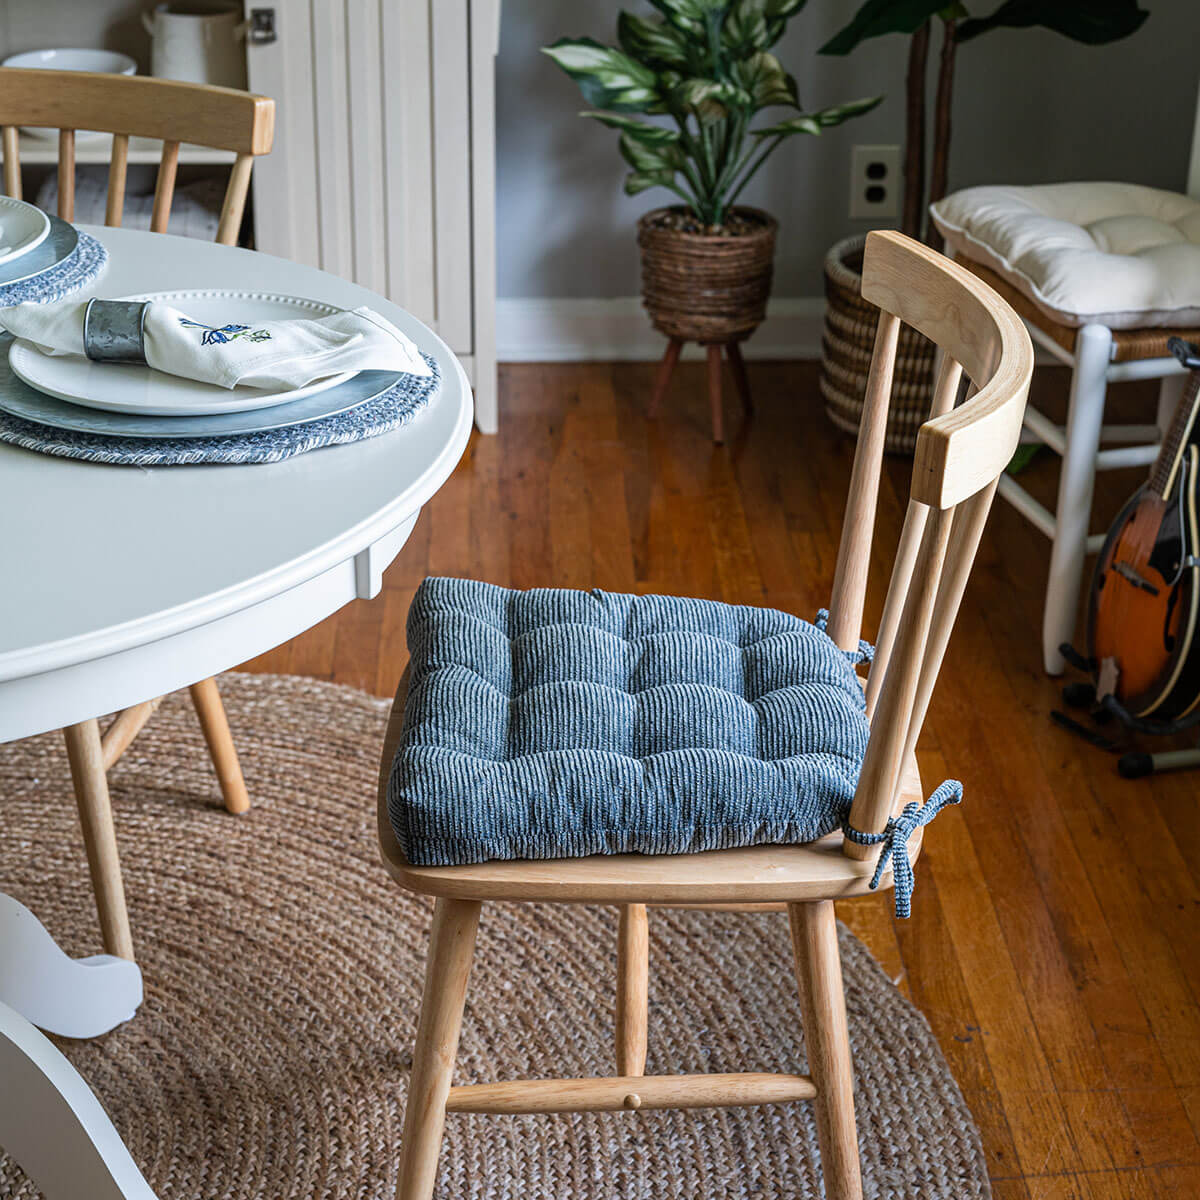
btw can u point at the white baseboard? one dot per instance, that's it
(618, 330)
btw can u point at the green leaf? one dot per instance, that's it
(607, 78)
(639, 181)
(826, 118)
(1093, 22)
(709, 99)
(764, 78)
(647, 158)
(877, 17)
(652, 42)
(692, 16)
(640, 130)
(746, 29)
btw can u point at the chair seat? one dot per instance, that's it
(1113, 254)
(748, 876)
(565, 725)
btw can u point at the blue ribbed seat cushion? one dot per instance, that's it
(555, 724)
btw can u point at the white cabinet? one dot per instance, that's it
(383, 169)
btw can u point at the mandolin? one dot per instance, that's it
(1145, 597)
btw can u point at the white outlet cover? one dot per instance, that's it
(865, 163)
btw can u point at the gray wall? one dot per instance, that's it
(1030, 107)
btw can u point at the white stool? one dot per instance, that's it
(1102, 274)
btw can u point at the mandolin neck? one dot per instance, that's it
(1170, 454)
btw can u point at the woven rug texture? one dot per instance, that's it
(283, 972)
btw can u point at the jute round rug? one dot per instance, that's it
(283, 971)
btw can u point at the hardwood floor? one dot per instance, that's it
(1054, 944)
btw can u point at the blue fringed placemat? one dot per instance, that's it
(394, 408)
(81, 267)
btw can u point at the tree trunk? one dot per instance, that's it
(914, 134)
(943, 103)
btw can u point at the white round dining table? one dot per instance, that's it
(123, 584)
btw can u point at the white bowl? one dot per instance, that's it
(105, 62)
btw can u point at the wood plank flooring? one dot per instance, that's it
(1055, 941)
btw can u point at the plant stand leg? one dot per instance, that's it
(737, 367)
(714, 393)
(662, 379)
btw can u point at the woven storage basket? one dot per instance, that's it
(847, 343)
(704, 288)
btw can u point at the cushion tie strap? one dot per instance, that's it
(895, 841)
(865, 652)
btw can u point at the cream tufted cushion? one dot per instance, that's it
(1116, 254)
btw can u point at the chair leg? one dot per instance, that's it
(819, 974)
(451, 947)
(633, 981)
(99, 837)
(741, 381)
(662, 378)
(1093, 348)
(210, 710)
(714, 394)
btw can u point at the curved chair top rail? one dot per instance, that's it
(139, 106)
(963, 450)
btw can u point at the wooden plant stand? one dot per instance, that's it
(737, 367)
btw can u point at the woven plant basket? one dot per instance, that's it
(847, 343)
(706, 288)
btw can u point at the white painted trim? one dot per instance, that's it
(618, 330)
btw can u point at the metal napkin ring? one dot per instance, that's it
(115, 330)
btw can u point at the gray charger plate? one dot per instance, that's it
(58, 245)
(23, 401)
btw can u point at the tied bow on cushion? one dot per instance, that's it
(895, 841)
(280, 354)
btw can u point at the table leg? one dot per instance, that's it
(99, 837)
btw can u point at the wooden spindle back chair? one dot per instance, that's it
(177, 114)
(136, 106)
(959, 457)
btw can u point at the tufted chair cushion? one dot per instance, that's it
(555, 723)
(1115, 254)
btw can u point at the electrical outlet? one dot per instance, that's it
(874, 182)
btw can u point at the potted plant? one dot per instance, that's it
(850, 322)
(706, 67)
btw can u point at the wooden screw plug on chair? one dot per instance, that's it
(961, 452)
(175, 114)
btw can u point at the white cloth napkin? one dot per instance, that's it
(267, 354)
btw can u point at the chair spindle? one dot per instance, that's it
(882, 765)
(114, 211)
(234, 203)
(66, 174)
(164, 188)
(12, 162)
(854, 550)
(945, 393)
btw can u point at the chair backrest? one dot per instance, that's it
(960, 455)
(136, 106)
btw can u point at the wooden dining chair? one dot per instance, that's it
(175, 114)
(961, 452)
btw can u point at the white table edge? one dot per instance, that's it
(103, 643)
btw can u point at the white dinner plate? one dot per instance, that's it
(23, 401)
(132, 388)
(22, 227)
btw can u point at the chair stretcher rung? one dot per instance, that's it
(628, 1093)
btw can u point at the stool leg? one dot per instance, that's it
(633, 981)
(451, 947)
(737, 368)
(819, 974)
(1093, 347)
(99, 838)
(662, 378)
(714, 393)
(213, 722)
